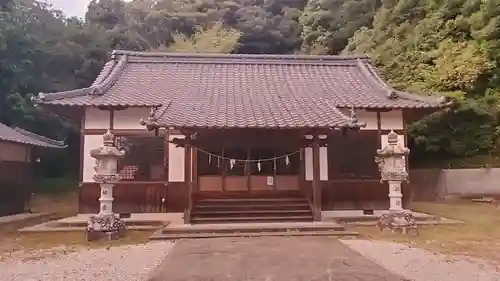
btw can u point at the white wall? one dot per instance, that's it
(127, 119)
(176, 158)
(391, 120)
(323, 162)
(90, 142)
(96, 118)
(130, 118)
(388, 120)
(369, 117)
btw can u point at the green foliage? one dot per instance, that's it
(327, 25)
(446, 47)
(216, 39)
(466, 128)
(55, 185)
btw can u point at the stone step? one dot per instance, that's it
(375, 218)
(250, 201)
(244, 219)
(337, 233)
(253, 227)
(270, 206)
(264, 212)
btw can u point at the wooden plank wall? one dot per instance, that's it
(15, 187)
(136, 197)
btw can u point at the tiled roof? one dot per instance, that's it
(214, 90)
(24, 137)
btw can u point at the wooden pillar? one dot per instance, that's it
(166, 155)
(316, 180)
(187, 179)
(194, 175)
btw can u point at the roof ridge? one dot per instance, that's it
(112, 76)
(234, 60)
(234, 56)
(106, 79)
(40, 137)
(374, 79)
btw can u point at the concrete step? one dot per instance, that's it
(338, 233)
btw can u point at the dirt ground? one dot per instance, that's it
(268, 259)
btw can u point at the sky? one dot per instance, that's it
(72, 8)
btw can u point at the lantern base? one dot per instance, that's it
(108, 227)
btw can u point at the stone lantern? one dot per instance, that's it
(106, 175)
(392, 166)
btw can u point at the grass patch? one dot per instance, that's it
(55, 185)
(479, 237)
(60, 205)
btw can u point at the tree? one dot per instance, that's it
(328, 25)
(216, 39)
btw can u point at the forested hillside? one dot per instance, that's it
(446, 47)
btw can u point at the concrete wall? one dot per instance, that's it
(436, 184)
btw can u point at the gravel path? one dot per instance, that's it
(130, 263)
(421, 265)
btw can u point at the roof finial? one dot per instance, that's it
(353, 117)
(392, 95)
(151, 121)
(354, 122)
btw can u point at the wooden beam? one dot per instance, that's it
(379, 129)
(316, 180)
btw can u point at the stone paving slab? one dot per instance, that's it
(137, 221)
(268, 259)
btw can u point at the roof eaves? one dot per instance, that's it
(391, 93)
(47, 141)
(351, 122)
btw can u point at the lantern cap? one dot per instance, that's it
(393, 147)
(108, 138)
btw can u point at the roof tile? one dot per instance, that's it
(25, 137)
(206, 90)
